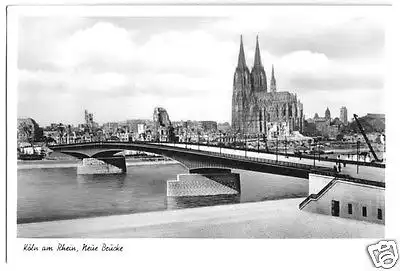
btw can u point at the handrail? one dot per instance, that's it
(318, 195)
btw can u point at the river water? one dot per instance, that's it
(46, 194)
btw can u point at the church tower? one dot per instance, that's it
(258, 77)
(273, 81)
(327, 114)
(241, 92)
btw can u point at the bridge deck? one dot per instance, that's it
(234, 158)
(372, 173)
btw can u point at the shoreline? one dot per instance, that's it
(266, 219)
(74, 163)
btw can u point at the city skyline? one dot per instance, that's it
(130, 65)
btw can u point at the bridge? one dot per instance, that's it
(194, 156)
(191, 158)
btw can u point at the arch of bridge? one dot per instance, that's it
(91, 152)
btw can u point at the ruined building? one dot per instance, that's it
(163, 129)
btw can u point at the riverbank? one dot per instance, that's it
(268, 219)
(74, 163)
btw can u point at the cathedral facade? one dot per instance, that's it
(259, 110)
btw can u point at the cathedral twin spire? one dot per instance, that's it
(242, 58)
(257, 56)
(258, 76)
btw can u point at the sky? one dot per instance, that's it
(121, 68)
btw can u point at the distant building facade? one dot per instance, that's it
(89, 120)
(255, 109)
(328, 114)
(376, 116)
(343, 115)
(209, 126)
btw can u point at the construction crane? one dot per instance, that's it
(366, 139)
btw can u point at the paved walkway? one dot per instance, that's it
(268, 219)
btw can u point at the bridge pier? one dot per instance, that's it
(204, 182)
(103, 165)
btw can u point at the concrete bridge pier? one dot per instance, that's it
(205, 182)
(102, 165)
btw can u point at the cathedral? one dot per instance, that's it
(259, 110)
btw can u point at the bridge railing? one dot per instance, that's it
(321, 157)
(264, 160)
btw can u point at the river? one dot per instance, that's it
(46, 194)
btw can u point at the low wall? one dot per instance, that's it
(106, 165)
(204, 185)
(316, 182)
(351, 198)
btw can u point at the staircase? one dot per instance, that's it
(338, 177)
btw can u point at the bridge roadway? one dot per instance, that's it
(364, 172)
(191, 158)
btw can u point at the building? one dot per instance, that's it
(325, 126)
(376, 116)
(328, 114)
(110, 127)
(141, 128)
(346, 197)
(321, 126)
(89, 119)
(343, 115)
(209, 126)
(257, 110)
(162, 125)
(224, 127)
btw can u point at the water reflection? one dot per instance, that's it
(115, 181)
(201, 201)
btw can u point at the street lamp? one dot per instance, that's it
(258, 142)
(266, 142)
(220, 143)
(319, 151)
(313, 150)
(276, 149)
(314, 157)
(245, 145)
(198, 140)
(358, 149)
(286, 147)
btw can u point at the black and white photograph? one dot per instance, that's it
(199, 122)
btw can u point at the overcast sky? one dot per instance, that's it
(121, 68)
